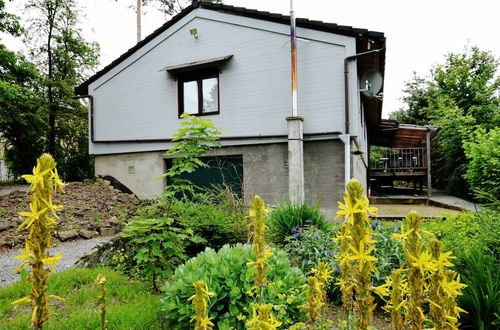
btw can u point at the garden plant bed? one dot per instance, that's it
(90, 208)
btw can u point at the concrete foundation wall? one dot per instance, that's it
(137, 171)
(265, 171)
(324, 172)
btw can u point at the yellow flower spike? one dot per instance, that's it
(21, 301)
(362, 255)
(44, 182)
(364, 205)
(199, 300)
(348, 209)
(32, 216)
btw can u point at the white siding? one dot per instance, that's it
(135, 100)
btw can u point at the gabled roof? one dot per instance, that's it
(360, 34)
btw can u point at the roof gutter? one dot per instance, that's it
(346, 81)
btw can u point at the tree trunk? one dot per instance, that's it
(138, 16)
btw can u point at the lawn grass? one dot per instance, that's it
(131, 305)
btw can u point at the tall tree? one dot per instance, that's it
(64, 58)
(22, 128)
(462, 95)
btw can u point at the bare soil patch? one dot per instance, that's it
(91, 209)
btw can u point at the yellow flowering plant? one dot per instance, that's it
(100, 283)
(199, 299)
(262, 317)
(40, 222)
(356, 261)
(424, 284)
(315, 290)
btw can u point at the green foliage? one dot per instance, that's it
(483, 168)
(308, 245)
(468, 233)
(156, 247)
(130, 303)
(389, 253)
(22, 126)
(461, 96)
(481, 297)
(415, 96)
(9, 23)
(64, 58)
(226, 274)
(288, 216)
(193, 139)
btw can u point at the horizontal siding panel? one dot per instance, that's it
(139, 101)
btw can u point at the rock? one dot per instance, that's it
(88, 181)
(106, 183)
(68, 234)
(4, 226)
(88, 233)
(107, 231)
(114, 221)
(2, 242)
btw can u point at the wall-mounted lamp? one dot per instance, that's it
(194, 32)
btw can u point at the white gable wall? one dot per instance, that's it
(135, 100)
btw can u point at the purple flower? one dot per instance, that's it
(294, 229)
(375, 224)
(316, 236)
(337, 268)
(328, 253)
(308, 221)
(397, 228)
(296, 235)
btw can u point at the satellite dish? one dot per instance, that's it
(371, 83)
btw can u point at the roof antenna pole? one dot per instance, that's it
(293, 43)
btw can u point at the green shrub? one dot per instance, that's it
(483, 168)
(227, 274)
(307, 246)
(287, 216)
(481, 298)
(389, 252)
(466, 233)
(156, 247)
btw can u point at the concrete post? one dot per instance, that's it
(346, 138)
(429, 177)
(296, 159)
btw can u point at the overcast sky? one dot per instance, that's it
(418, 33)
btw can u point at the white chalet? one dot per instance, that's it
(232, 65)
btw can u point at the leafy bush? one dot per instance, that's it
(483, 168)
(388, 251)
(307, 247)
(155, 247)
(287, 216)
(227, 274)
(481, 297)
(467, 233)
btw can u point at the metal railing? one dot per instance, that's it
(398, 159)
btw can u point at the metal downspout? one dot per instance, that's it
(346, 137)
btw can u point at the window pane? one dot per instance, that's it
(210, 95)
(191, 97)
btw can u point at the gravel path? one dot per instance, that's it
(71, 253)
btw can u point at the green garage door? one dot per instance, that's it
(221, 170)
